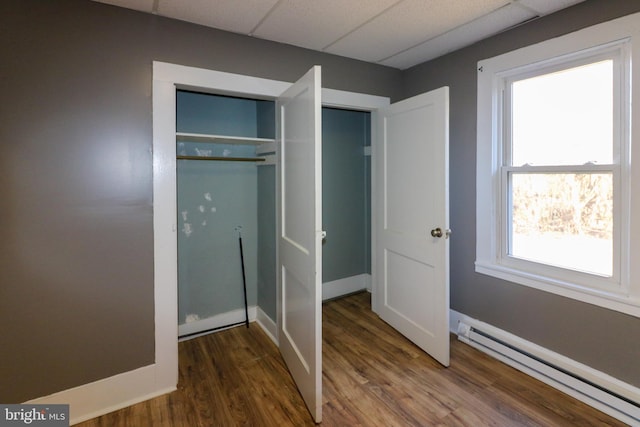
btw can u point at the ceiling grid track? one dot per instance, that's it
(264, 18)
(512, 3)
(353, 30)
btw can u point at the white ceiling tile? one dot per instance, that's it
(141, 5)
(544, 7)
(465, 35)
(409, 23)
(316, 24)
(397, 33)
(239, 16)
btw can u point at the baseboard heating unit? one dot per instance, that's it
(595, 388)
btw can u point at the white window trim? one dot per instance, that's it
(625, 297)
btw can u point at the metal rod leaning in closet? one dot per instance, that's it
(223, 159)
(244, 278)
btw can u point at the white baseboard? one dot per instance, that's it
(589, 385)
(454, 320)
(268, 325)
(217, 321)
(107, 395)
(345, 286)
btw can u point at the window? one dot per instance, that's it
(554, 170)
(558, 169)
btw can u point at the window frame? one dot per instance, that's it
(610, 40)
(613, 284)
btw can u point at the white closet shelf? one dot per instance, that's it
(221, 139)
(223, 159)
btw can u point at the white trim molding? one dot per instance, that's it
(166, 79)
(107, 395)
(345, 286)
(268, 325)
(217, 322)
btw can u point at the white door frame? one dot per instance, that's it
(166, 78)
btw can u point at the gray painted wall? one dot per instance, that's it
(597, 337)
(76, 229)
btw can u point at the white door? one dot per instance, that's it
(412, 211)
(299, 188)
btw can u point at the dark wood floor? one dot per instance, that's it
(372, 376)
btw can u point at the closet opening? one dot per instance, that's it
(225, 192)
(346, 201)
(167, 80)
(226, 178)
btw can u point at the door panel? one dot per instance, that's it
(401, 298)
(299, 184)
(412, 266)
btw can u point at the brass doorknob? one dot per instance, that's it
(436, 232)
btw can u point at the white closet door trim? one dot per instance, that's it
(360, 101)
(217, 81)
(166, 78)
(228, 83)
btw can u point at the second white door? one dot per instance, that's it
(412, 220)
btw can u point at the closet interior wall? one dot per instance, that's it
(215, 197)
(217, 200)
(346, 201)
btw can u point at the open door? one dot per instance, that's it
(412, 253)
(299, 192)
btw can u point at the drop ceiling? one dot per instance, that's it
(396, 33)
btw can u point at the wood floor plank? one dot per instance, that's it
(372, 376)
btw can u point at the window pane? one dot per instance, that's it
(563, 219)
(564, 118)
